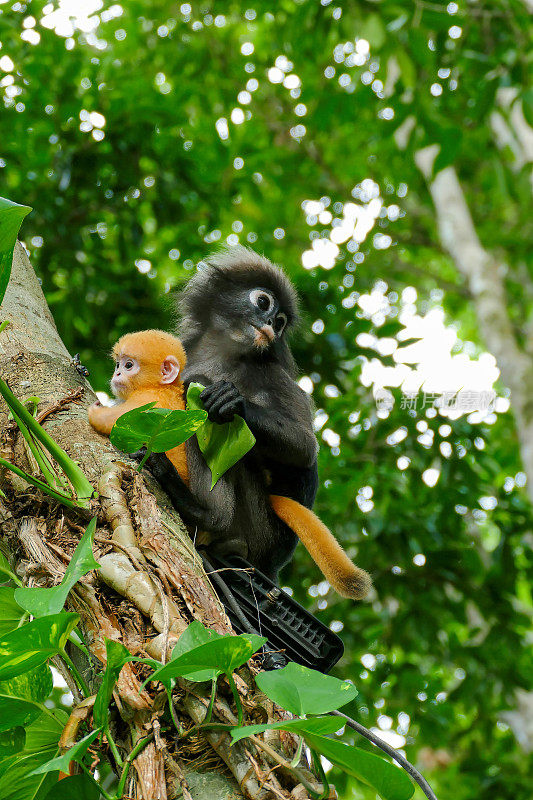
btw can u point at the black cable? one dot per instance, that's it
(403, 762)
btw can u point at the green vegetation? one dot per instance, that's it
(147, 134)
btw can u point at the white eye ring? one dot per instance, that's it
(258, 296)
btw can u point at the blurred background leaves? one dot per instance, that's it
(147, 134)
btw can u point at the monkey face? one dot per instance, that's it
(252, 318)
(126, 367)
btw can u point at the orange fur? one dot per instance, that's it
(150, 349)
(345, 577)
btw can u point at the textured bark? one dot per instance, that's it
(40, 536)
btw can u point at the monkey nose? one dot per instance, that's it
(268, 331)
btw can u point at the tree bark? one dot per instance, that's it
(147, 591)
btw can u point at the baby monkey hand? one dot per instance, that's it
(222, 400)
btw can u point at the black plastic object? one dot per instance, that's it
(255, 604)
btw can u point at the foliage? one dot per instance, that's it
(77, 490)
(128, 138)
(157, 429)
(11, 216)
(221, 445)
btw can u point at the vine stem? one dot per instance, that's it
(70, 664)
(403, 762)
(141, 744)
(209, 712)
(293, 770)
(236, 697)
(113, 746)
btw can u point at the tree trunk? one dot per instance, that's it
(145, 594)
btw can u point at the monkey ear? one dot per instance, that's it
(170, 369)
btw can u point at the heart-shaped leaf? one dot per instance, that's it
(40, 602)
(222, 446)
(390, 782)
(320, 725)
(157, 429)
(34, 643)
(301, 690)
(11, 216)
(116, 655)
(222, 655)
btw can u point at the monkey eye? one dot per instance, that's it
(128, 364)
(117, 364)
(262, 300)
(280, 322)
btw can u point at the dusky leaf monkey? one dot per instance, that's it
(148, 366)
(235, 315)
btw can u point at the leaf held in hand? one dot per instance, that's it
(157, 429)
(222, 446)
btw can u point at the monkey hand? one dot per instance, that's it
(222, 400)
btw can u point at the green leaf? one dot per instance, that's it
(195, 635)
(42, 737)
(5, 567)
(389, 781)
(12, 740)
(222, 655)
(82, 487)
(157, 429)
(117, 655)
(10, 611)
(34, 685)
(75, 787)
(41, 602)
(74, 753)
(14, 711)
(34, 643)
(301, 690)
(11, 216)
(320, 725)
(222, 446)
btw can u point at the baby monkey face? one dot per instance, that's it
(126, 367)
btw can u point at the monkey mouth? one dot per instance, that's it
(263, 336)
(117, 386)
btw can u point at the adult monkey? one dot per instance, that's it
(235, 314)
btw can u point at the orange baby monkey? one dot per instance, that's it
(148, 367)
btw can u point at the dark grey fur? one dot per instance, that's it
(217, 325)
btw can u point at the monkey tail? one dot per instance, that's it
(346, 578)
